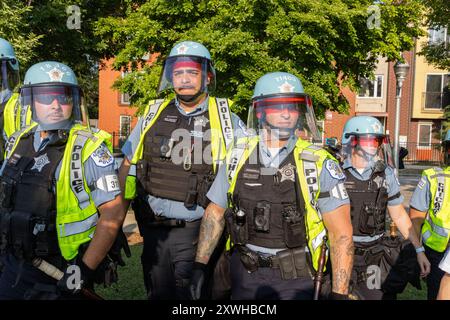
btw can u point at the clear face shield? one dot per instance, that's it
(55, 107)
(281, 117)
(368, 151)
(188, 76)
(9, 79)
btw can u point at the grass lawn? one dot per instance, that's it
(131, 280)
(131, 283)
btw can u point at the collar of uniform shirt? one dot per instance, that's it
(365, 175)
(266, 157)
(201, 108)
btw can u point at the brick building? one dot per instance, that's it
(422, 103)
(115, 114)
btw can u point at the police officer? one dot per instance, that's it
(61, 200)
(270, 186)
(373, 187)
(430, 213)
(9, 81)
(171, 159)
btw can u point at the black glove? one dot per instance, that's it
(338, 296)
(71, 282)
(197, 280)
(121, 243)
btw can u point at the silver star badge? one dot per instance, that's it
(200, 121)
(55, 74)
(40, 162)
(287, 172)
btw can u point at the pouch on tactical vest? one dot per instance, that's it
(368, 200)
(293, 226)
(238, 231)
(293, 264)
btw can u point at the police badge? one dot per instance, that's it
(287, 173)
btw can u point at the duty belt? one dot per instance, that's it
(268, 262)
(171, 223)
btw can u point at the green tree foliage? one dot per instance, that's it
(328, 44)
(14, 27)
(59, 38)
(73, 45)
(438, 16)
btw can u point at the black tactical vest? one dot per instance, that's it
(168, 168)
(272, 217)
(28, 206)
(368, 200)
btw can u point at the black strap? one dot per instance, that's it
(395, 196)
(323, 195)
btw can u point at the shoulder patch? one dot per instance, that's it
(422, 182)
(102, 157)
(335, 170)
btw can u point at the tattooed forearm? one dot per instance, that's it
(211, 229)
(342, 262)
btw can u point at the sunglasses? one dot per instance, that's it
(49, 98)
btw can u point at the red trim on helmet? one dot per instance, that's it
(187, 64)
(278, 100)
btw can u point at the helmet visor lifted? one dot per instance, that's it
(55, 106)
(187, 75)
(285, 116)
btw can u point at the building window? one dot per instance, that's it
(424, 135)
(124, 129)
(124, 97)
(371, 88)
(438, 36)
(436, 96)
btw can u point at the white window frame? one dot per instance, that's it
(430, 124)
(432, 40)
(122, 116)
(375, 88)
(442, 88)
(122, 95)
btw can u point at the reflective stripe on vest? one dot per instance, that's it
(220, 118)
(443, 232)
(76, 218)
(76, 173)
(73, 228)
(154, 108)
(225, 120)
(77, 215)
(308, 175)
(14, 139)
(152, 112)
(9, 115)
(309, 161)
(436, 227)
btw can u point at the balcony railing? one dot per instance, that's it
(436, 101)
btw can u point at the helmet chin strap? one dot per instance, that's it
(189, 97)
(367, 156)
(289, 131)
